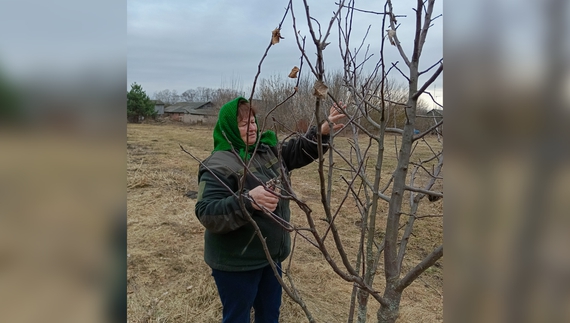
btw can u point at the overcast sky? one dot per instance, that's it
(180, 44)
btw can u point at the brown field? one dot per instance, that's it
(168, 280)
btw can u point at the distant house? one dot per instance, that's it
(192, 112)
(435, 113)
(158, 107)
(436, 116)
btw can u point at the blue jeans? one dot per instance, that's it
(242, 290)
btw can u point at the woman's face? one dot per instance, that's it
(248, 135)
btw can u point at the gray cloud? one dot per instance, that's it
(179, 45)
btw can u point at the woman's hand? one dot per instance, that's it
(264, 198)
(336, 114)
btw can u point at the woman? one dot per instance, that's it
(232, 249)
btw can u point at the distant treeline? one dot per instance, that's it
(296, 112)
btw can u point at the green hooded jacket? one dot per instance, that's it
(230, 242)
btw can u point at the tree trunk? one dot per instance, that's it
(389, 314)
(362, 297)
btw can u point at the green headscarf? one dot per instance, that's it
(227, 123)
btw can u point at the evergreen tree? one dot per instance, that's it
(138, 103)
(11, 101)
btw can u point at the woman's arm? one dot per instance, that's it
(218, 209)
(301, 151)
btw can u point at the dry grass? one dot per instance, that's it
(168, 280)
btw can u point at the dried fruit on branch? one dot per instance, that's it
(391, 36)
(294, 72)
(275, 36)
(320, 89)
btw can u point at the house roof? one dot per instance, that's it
(197, 108)
(157, 102)
(435, 112)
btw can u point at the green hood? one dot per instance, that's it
(227, 124)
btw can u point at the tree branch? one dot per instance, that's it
(429, 68)
(421, 190)
(428, 83)
(266, 51)
(430, 129)
(396, 40)
(428, 261)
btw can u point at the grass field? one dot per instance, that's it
(168, 280)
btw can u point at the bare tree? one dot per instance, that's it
(167, 96)
(188, 95)
(221, 96)
(374, 103)
(204, 94)
(375, 108)
(369, 98)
